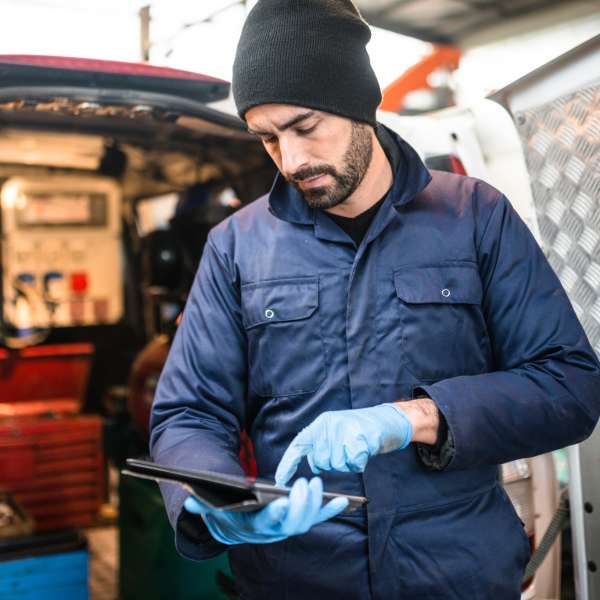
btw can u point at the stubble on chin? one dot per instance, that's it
(323, 197)
(356, 161)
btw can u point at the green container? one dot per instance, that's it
(149, 566)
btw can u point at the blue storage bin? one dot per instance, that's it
(44, 567)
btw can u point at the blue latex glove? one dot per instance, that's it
(344, 440)
(282, 518)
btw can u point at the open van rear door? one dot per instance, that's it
(78, 86)
(557, 114)
(50, 71)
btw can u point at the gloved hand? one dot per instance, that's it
(344, 440)
(282, 518)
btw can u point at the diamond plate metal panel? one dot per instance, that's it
(561, 140)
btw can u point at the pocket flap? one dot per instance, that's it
(281, 300)
(447, 284)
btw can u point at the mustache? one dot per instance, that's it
(310, 172)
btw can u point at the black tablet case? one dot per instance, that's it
(221, 491)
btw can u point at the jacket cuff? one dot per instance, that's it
(192, 538)
(439, 455)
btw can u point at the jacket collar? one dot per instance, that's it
(410, 178)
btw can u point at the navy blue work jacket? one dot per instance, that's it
(448, 293)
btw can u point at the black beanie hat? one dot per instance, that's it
(308, 53)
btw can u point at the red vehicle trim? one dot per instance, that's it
(103, 66)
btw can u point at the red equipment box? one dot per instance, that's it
(51, 458)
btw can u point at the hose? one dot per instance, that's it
(560, 520)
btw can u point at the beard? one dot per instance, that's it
(355, 163)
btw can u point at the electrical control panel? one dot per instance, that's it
(61, 251)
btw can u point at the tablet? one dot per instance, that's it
(221, 491)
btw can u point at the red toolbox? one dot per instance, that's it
(51, 457)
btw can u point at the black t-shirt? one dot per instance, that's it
(356, 227)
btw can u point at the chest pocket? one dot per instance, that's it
(285, 347)
(443, 330)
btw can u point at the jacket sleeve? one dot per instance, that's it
(544, 393)
(198, 410)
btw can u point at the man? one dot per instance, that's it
(397, 327)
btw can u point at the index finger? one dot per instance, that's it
(301, 445)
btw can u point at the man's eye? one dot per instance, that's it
(270, 139)
(306, 131)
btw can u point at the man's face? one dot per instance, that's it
(323, 155)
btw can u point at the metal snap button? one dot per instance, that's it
(446, 292)
(269, 313)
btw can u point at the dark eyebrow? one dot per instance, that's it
(293, 121)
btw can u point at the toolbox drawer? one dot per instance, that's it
(54, 467)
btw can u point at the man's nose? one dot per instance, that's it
(293, 156)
